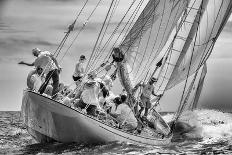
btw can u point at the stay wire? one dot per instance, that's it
(82, 28)
(103, 25)
(131, 17)
(115, 30)
(104, 33)
(70, 28)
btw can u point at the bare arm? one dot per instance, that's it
(113, 114)
(25, 63)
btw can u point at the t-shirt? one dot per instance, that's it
(125, 114)
(45, 61)
(79, 69)
(90, 94)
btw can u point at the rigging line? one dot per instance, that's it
(104, 48)
(81, 29)
(98, 49)
(168, 58)
(110, 53)
(173, 7)
(138, 34)
(220, 29)
(214, 39)
(131, 17)
(162, 38)
(166, 26)
(115, 7)
(163, 35)
(110, 38)
(56, 53)
(103, 25)
(155, 37)
(178, 29)
(145, 51)
(108, 23)
(132, 21)
(153, 12)
(67, 33)
(171, 45)
(180, 108)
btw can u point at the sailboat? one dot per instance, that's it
(170, 39)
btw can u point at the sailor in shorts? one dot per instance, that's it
(147, 91)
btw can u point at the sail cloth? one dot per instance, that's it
(211, 25)
(149, 34)
(181, 43)
(198, 89)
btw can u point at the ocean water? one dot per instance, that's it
(216, 138)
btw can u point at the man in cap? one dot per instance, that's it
(89, 95)
(50, 67)
(147, 91)
(79, 69)
(35, 52)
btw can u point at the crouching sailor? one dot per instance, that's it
(123, 114)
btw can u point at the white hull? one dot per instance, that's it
(49, 120)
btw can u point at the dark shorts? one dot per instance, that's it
(76, 78)
(91, 110)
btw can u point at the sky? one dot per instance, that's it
(26, 24)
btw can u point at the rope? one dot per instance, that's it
(104, 33)
(131, 17)
(115, 30)
(70, 28)
(155, 56)
(103, 25)
(169, 50)
(82, 28)
(178, 113)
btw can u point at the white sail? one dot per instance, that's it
(194, 102)
(181, 42)
(211, 25)
(149, 34)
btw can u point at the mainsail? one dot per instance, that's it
(149, 35)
